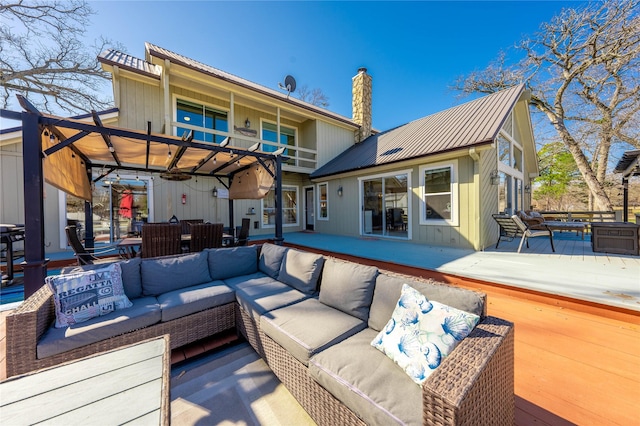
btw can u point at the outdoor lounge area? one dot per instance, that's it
(237, 378)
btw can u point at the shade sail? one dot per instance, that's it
(65, 170)
(252, 183)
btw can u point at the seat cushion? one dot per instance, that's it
(368, 382)
(301, 270)
(308, 327)
(388, 288)
(166, 274)
(144, 313)
(250, 280)
(348, 287)
(270, 259)
(188, 300)
(262, 299)
(232, 262)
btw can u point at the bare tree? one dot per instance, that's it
(313, 96)
(583, 72)
(43, 55)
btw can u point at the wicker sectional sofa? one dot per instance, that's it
(312, 318)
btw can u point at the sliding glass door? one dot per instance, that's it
(385, 205)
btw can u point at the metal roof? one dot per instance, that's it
(473, 123)
(629, 164)
(131, 63)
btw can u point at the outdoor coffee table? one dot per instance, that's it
(129, 384)
(579, 227)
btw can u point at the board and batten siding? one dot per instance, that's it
(140, 103)
(489, 199)
(332, 141)
(11, 184)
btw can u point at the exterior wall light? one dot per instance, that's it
(527, 189)
(215, 192)
(495, 177)
(247, 123)
(340, 191)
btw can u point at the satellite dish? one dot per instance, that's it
(289, 84)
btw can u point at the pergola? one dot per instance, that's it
(64, 152)
(629, 165)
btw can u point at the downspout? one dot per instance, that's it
(473, 153)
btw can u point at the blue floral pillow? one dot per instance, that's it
(421, 333)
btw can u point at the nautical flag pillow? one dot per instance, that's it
(421, 333)
(84, 295)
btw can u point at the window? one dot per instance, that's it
(510, 166)
(287, 138)
(504, 151)
(201, 116)
(323, 201)
(289, 207)
(439, 194)
(385, 204)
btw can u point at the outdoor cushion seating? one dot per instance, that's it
(512, 227)
(312, 318)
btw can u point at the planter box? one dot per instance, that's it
(615, 237)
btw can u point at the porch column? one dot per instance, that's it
(88, 216)
(34, 265)
(279, 238)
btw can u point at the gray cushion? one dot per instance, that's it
(348, 286)
(368, 382)
(308, 327)
(185, 301)
(172, 273)
(231, 262)
(261, 299)
(388, 289)
(131, 280)
(270, 260)
(144, 312)
(242, 281)
(301, 270)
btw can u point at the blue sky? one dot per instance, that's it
(413, 50)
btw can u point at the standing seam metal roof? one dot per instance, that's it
(473, 123)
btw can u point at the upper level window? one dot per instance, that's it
(504, 151)
(269, 131)
(439, 190)
(323, 201)
(201, 116)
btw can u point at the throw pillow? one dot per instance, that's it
(421, 333)
(84, 295)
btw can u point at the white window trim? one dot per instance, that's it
(455, 209)
(288, 225)
(408, 172)
(318, 209)
(174, 106)
(279, 145)
(508, 169)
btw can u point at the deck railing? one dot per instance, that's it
(580, 216)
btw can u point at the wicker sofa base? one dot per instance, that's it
(473, 386)
(29, 322)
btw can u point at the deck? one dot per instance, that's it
(576, 315)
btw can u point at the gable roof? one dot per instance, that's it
(147, 68)
(473, 123)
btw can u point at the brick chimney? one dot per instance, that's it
(361, 104)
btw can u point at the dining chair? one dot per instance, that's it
(243, 235)
(205, 235)
(185, 223)
(161, 239)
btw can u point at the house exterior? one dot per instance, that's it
(436, 180)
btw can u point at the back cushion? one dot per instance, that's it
(131, 279)
(301, 270)
(388, 289)
(172, 273)
(270, 260)
(232, 262)
(348, 287)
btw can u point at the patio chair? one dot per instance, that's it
(186, 223)
(205, 235)
(243, 235)
(87, 256)
(512, 227)
(161, 239)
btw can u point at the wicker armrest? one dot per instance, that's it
(475, 383)
(25, 325)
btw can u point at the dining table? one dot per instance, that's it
(131, 246)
